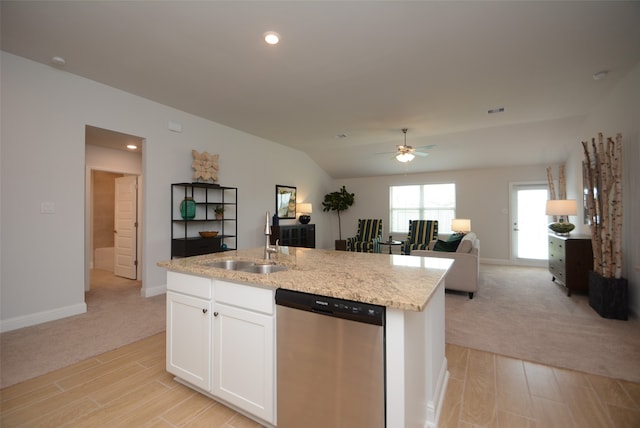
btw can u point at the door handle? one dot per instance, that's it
(205, 310)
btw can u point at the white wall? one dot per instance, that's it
(44, 112)
(619, 112)
(482, 195)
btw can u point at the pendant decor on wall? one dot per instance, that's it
(205, 167)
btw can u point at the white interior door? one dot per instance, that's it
(125, 234)
(529, 221)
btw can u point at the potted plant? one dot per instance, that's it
(338, 201)
(219, 210)
(608, 291)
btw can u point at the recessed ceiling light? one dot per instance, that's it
(496, 110)
(271, 37)
(58, 60)
(131, 146)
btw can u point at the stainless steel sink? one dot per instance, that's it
(258, 268)
(230, 264)
(246, 266)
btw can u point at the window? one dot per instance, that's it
(422, 202)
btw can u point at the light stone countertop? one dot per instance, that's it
(394, 281)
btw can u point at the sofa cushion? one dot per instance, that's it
(450, 245)
(466, 245)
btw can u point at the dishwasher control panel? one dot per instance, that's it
(331, 306)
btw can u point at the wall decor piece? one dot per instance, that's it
(205, 166)
(285, 201)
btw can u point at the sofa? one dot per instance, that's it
(465, 271)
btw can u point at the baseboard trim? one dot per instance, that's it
(153, 291)
(517, 262)
(42, 317)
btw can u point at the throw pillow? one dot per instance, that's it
(450, 245)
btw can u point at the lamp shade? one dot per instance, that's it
(562, 207)
(304, 208)
(461, 225)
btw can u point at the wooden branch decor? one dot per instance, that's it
(603, 173)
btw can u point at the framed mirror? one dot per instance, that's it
(285, 201)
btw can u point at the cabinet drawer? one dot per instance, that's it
(189, 284)
(245, 296)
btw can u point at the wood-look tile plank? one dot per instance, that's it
(633, 389)
(479, 397)
(623, 417)
(108, 393)
(62, 415)
(452, 404)
(542, 382)
(152, 409)
(513, 392)
(610, 391)
(29, 386)
(241, 421)
(552, 414)
(457, 361)
(188, 409)
(583, 402)
(32, 397)
(512, 420)
(124, 405)
(213, 417)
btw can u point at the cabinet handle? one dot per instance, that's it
(204, 311)
(215, 314)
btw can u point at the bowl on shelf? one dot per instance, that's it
(208, 234)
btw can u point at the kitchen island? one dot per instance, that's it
(410, 288)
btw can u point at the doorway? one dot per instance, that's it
(529, 244)
(113, 205)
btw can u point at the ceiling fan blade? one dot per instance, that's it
(420, 153)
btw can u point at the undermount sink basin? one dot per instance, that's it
(245, 266)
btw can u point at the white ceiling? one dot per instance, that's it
(365, 69)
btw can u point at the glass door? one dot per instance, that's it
(529, 223)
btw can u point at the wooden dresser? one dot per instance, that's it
(570, 260)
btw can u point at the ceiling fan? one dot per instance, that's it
(407, 153)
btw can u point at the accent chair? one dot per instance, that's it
(421, 232)
(368, 237)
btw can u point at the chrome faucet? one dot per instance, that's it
(268, 249)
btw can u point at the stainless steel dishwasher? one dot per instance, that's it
(330, 362)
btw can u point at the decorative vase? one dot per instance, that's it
(304, 219)
(608, 296)
(188, 208)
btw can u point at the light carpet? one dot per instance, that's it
(519, 312)
(116, 316)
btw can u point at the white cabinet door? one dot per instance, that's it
(189, 339)
(243, 372)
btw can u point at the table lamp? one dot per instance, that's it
(461, 225)
(305, 209)
(561, 207)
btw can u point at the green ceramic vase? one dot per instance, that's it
(188, 209)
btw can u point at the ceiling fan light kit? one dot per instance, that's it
(407, 153)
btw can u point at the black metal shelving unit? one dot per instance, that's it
(185, 238)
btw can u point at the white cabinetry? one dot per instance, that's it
(244, 364)
(220, 339)
(189, 339)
